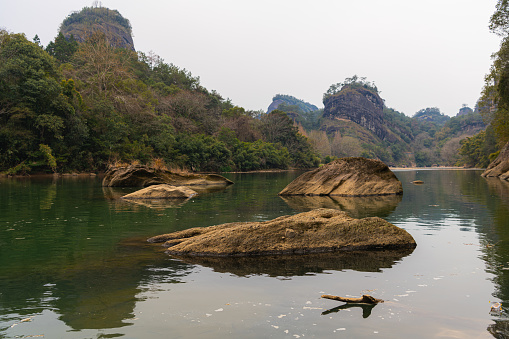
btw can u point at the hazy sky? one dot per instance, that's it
(420, 54)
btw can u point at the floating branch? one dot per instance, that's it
(365, 299)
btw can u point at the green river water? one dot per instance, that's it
(74, 263)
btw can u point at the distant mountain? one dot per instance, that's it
(432, 114)
(116, 28)
(464, 111)
(287, 100)
(355, 122)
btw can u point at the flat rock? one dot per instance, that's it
(354, 176)
(500, 166)
(162, 191)
(143, 176)
(316, 231)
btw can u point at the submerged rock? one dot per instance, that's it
(162, 191)
(143, 176)
(347, 177)
(317, 231)
(500, 166)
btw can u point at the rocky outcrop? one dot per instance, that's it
(82, 24)
(317, 231)
(143, 176)
(357, 104)
(289, 100)
(500, 166)
(347, 177)
(162, 191)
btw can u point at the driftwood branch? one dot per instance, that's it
(365, 299)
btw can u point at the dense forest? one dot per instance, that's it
(82, 106)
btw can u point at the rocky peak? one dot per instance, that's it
(357, 104)
(115, 27)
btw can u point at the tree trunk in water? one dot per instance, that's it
(365, 299)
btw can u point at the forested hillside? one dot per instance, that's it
(81, 106)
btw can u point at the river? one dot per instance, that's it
(74, 263)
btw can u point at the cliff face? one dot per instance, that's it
(289, 100)
(500, 166)
(359, 105)
(82, 24)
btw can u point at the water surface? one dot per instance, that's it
(74, 264)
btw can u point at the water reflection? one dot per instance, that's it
(356, 207)
(300, 265)
(115, 195)
(92, 294)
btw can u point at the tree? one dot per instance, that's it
(62, 49)
(499, 22)
(33, 110)
(277, 127)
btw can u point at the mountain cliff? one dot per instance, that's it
(288, 100)
(358, 104)
(116, 28)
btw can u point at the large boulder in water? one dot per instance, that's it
(500, 166)
(317, 231)
(143, 176)
(347, 177)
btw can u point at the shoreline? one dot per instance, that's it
(91, 174)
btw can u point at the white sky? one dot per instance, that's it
(420, 54)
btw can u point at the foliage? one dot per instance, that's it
(494, 102)
(33, 109)
(353, 82)
(479, 150)
(499, 21)
(277, 127)
(46, 152)
(106, 104)
(432, 114)
(62, 49)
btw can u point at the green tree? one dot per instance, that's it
(62, 49)
(33, 109)
(277, 127)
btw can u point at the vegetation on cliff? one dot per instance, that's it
(494, 103)
(81, 24)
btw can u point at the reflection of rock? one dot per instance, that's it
(347, 177)
(299, 265)
(117, 193)
(162, 191)
(500, 166)
(157, 204)
(357, 207)
(142, 176)
(316, 231)
(498, 187)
